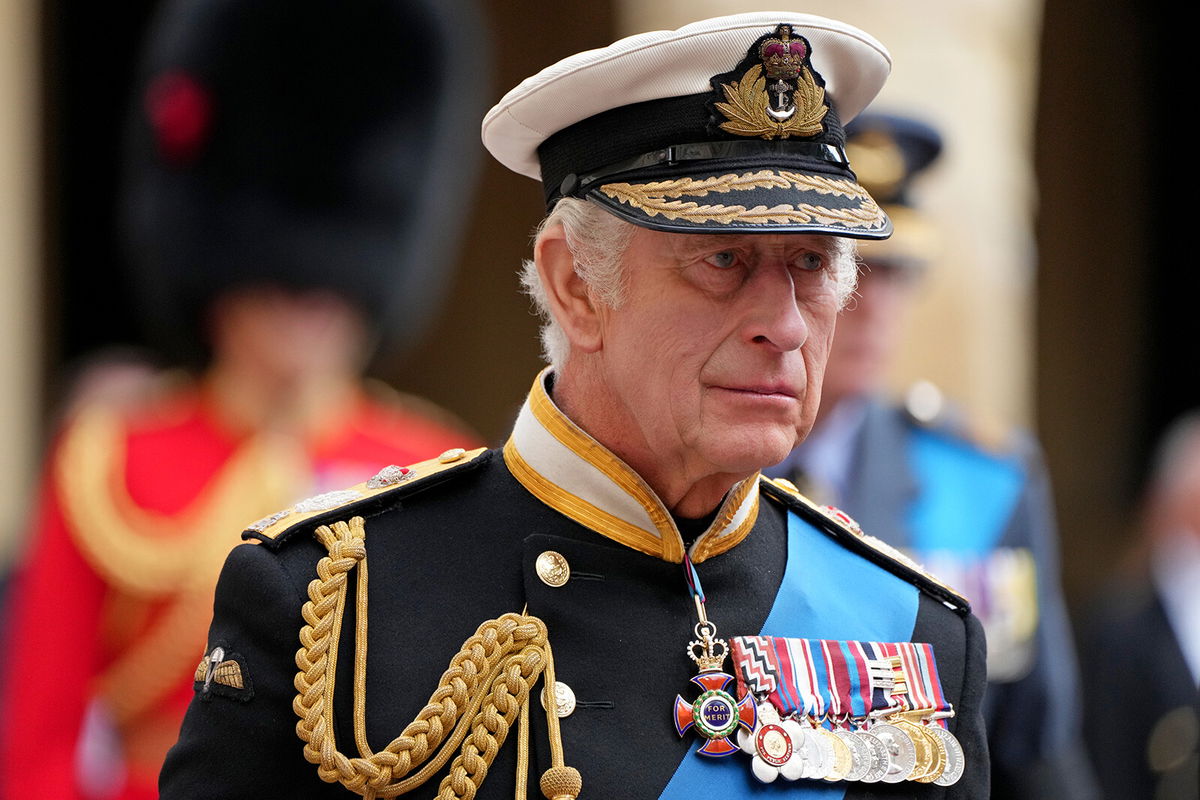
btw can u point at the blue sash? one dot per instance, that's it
(967, 496)
(827, 592)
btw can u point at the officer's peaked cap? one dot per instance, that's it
(890, 152)
(732, 124)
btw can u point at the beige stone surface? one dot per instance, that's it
(20, 319)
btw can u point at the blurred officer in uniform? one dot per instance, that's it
(1140, 643)
(972, 506)
(276, 211)
(622, 547)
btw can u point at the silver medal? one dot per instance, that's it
(880, 759)
(955, 759)
(825, 747)
(860, 754)
(902, 752)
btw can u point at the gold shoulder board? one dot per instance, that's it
(389, 479)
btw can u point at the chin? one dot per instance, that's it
(747, 451)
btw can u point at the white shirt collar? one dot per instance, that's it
(568, 470)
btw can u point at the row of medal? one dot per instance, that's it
(853, 711)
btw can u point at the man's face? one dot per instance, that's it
(867, 332)
(286, 333)
(716, 355)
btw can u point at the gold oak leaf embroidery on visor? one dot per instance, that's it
(661, 197)
(746, 108)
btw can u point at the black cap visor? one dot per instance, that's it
(745, 197)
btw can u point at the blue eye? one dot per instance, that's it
(811, 262)
(723, 260)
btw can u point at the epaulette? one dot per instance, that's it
(389, 485)
(841, 527)
(926, 407)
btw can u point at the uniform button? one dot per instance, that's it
(452, 455)
(553, 568)
(564, 699)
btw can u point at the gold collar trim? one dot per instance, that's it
(571, 472)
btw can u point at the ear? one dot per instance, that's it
(570, 300)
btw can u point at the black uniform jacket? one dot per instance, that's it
(452, 545)
(1143, 701)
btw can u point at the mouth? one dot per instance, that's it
(765, 391)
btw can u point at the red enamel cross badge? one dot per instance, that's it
(716, 714)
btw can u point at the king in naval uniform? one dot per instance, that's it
(703, 631)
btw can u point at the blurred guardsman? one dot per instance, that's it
(273, 207)
(702, 630)
(1141, 641)
(969, 502)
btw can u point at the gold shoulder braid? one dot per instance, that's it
(127, 547)
(125, 543)
(485, 688)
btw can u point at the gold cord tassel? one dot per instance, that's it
(560, 782)
(484, 690)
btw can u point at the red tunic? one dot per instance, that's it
(111, 608)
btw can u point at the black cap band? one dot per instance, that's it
(578, 185)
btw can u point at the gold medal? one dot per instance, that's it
(841, 763)
(926, 748)
(938, 767)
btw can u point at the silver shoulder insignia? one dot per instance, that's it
(385, 480)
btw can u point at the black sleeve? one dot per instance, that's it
(969, 725)
(242, 744)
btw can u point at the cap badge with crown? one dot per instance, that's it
(792, 104)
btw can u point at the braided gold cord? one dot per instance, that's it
(152, 554)
(477, 699)
(154, 558)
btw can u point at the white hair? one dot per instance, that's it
(598, 241)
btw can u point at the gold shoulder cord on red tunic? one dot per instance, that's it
(158, 558)
(483, 691)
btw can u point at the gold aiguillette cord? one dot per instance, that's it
(484, 690)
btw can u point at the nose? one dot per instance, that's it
(773, 317)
